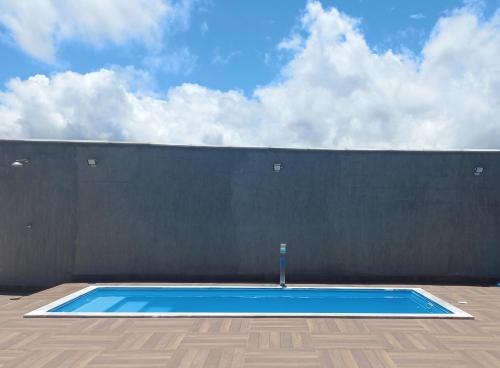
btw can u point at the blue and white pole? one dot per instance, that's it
(282, 265)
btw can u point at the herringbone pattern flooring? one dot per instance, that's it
(251, 342)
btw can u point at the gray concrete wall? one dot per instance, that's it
(194, 213)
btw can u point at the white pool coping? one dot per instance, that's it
(44, 311)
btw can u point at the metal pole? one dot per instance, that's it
(282, 264)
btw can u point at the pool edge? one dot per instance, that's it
(43, 311)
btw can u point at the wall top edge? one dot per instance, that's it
(243, 148)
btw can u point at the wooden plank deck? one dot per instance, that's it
(251, 342)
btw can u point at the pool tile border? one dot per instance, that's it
(44, 311)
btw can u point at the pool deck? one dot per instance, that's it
(251, 342)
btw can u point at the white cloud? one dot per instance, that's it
(335, 92)
(221, 59)
(417, 16)
(180, 13)
(177, 62)
(101, 105)
(203, 28)
(339, 93)
(39, 26)
(294, 43)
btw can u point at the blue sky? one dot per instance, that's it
(179, 50)
(233, 44)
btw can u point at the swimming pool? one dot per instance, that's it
(173, 301)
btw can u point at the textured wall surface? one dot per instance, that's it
(207, 214)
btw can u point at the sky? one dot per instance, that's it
(346, 74)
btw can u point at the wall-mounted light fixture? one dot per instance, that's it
(20, 162)
(478, 171)
(92, 162)
(277, 167)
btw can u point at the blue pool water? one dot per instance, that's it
(250, 300)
